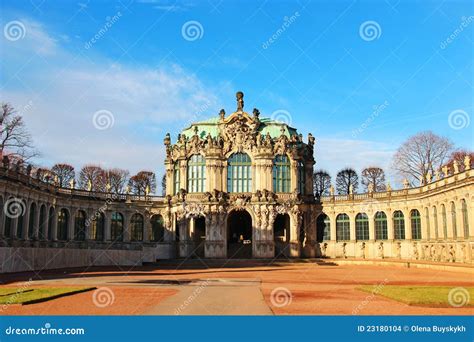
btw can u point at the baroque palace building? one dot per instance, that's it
(237, 186)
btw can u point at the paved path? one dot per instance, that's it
(215, 297)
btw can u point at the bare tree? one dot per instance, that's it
(14, 137)
(163, 185)
(117, 179)
(459, 157)
(373, 175)
(321, 183)
(345, 179)
(422, 153)
(65, 173)
(141, 181)
(93, 177)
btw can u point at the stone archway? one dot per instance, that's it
(239, 235)
(281, 234)
(198, 235)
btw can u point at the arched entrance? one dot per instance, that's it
(239, 235)
(199, 235)
(281, 234)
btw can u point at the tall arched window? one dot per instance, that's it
(80, 226)
(342, 227)
(415, 219)
(42, 223)
(465, 218)
(435, 219)
(196, 173)
(63, 222)
(453, 220)
(381, 231)
(427, 220)
(281, 174)
(157, 228)
(301, 178)
(323, 228)
(116, 227)
(136, 227)
(239, 173)
(445, 221)
(176, 178)
(97, 227)
(362, 226)
(31, 221)
(399, 225)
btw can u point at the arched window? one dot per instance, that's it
(176, 178)
(381, 231)
(465, 218)
(63, 221)
(239, 173)
(97, 227)
(362, 226)
(342, 227)
(42, 223)
(50, 223)
(116, 227)
(435, 219)
(7, 230)
(80, 226)
(427, 220)
(453, 220)
(323, 228)
(196, 173)
(31, 221)
(415, 224)
(301, 178)
(281, 174)
(136, 227)
(445, 221)
(157, 228)
(399, 225)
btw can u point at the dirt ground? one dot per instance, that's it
(290, 289)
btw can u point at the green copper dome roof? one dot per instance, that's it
(267, 125)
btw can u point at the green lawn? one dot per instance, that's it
(36, 295)
(421, 295)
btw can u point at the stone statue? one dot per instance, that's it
(463, 253)
(240, 101)
(429, 177)
(389, 187)
(324, 248)
(380, 250)
(371, 187)
(452, 254)
(222, 114)
(256, 113)
(362, 250)
(445, 171)
(344, 255)
(331, 190)
(406, 184)
(311, 140)
(351, 189)
(456, 166)
(399, 250)
(415, 251)
(467, 162)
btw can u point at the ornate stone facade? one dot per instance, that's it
(237, 186)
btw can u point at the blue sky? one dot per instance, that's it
(361, 93)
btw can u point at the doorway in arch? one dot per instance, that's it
(239, 235)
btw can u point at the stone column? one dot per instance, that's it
(26, 222)
(90, 215)
(390, 230)
(352, 229)
(183, 174)
(470, 216)
(449, 221)
(294, 175)
(126, 227)
(372, 226)
(424, 223)
(407, 219)
(459, 220)
(332, 226)
(36, 223)
(71, 224)
(146, 228)
(54, 230)
(107, 225)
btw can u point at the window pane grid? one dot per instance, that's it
(281, 174)
(381, 231)
(342, 227)
(239, 173)
(196, 174)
